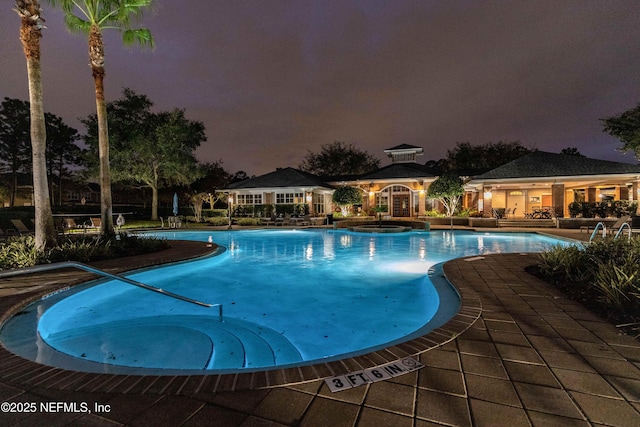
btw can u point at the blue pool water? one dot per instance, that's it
(289, 297)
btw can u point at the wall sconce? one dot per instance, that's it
(309, 197)
(487, 194)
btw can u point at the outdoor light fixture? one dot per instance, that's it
(229, 205)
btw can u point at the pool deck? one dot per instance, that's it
(532, 357)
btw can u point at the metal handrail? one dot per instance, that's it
(595, 230)
(624, 224)
(81, 266)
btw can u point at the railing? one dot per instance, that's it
(595, 230)
(79, 265)
(624, 224)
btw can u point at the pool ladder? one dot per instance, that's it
(81, 266)
(604, 230)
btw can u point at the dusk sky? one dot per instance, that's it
(272, 80)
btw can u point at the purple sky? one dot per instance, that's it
(273, 79)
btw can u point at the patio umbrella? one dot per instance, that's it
(175, 204)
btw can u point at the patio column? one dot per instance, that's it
(487, 197)
(622, 193)
(309, 200)
(557, 199)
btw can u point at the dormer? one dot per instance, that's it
(404, 153)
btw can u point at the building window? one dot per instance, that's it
(404, 157)
(249, 199)
(318, 204)
(289, 198)
(399, 189)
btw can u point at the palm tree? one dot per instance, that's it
(30, 34)
(96, 16)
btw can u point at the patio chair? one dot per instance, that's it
(19, 225)
(175, 222)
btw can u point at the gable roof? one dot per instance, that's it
(400, 170)
(543, 164)
(403, 147)
(285, 177)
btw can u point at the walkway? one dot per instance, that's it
(532, 358)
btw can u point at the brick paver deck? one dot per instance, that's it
(533, 357)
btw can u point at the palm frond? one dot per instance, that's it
(76, 24)
(141, 36)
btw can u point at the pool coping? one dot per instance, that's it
(21, 371)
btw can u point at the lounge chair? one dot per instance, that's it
(93, 223)
(69, 224)
(619, 223)
(268, 221)
(613, 229)
(19, 225)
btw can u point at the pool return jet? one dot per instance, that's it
(81, 266)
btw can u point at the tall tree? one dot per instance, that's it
(339, 158)
(447, 189)
(571, 151)
(30, 33)
(62, 152)
(345, 197)
(626, 127)
(96, 16)
(15, 150)
(152, 149)
(483, 157)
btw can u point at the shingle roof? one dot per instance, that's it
(544, 164)
(286, 177)
(400, 170)
(404, 147)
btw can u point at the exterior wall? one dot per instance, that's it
(308, 197)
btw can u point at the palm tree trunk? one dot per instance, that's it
(45, 230)
(30, 36)
(96, 55)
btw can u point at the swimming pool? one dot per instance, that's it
(290, 297)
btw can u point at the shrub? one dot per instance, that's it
(434, 213)
(20, 252)
(218, 220)
(248, 221)
(607, 271)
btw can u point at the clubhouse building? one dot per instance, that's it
(537, 182)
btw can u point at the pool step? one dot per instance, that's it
(178, 342)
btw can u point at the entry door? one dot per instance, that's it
(401, 205)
